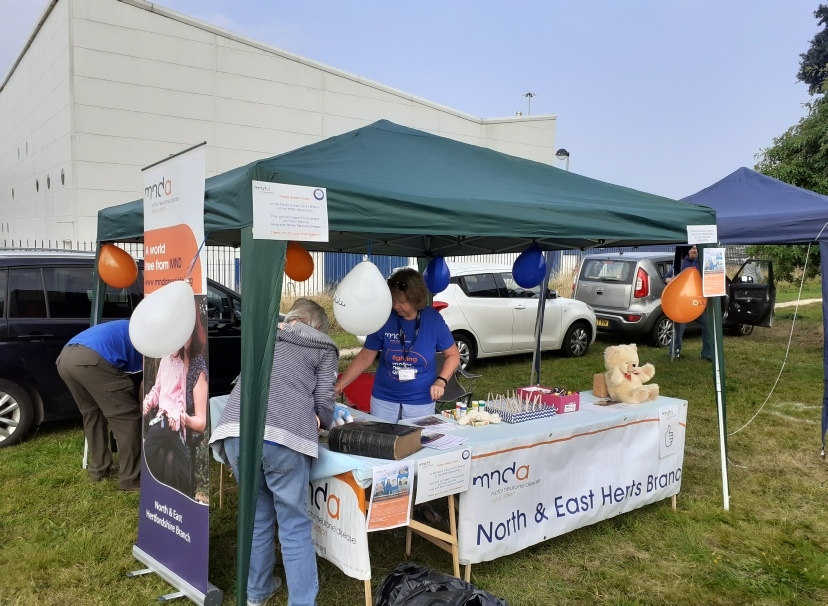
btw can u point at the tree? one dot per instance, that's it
(813, 68)
(800, 155)
(788, 259)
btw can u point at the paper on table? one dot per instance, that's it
(442, 475)
(438, 441)
(432, 423)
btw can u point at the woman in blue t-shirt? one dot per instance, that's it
(407, 382)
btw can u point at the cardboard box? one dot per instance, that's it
(561, 404)
(599, 385)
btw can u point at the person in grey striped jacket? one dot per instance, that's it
(300, 401)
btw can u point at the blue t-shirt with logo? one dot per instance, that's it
(416, 353)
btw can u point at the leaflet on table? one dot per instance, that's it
(390, 497)
(439, 441)
(442, 475)
(433, 423)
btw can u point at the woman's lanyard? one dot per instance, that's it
(402, 335)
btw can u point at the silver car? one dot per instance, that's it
(625, 290)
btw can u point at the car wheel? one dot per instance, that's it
(741, 330)
(16, 413)
(576, 341)
(466, 347)
(662, 333)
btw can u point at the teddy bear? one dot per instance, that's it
(625, 378)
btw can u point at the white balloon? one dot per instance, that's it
(362, 302)
(164, 320)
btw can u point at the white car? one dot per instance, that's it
(490, 315)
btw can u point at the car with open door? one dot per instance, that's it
(625, 291)
(751, 298)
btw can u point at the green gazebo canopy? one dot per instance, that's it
(410, 193)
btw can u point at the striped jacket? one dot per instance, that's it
(305, 364)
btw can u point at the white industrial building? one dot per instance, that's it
(103, 88)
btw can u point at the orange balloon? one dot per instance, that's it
(116, 266)
(682, 299)
(298, 262)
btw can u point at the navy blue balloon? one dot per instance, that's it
(436, 275)
(529, 269)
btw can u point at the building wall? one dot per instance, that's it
(531, 137)
(148, 82)
(35, 142)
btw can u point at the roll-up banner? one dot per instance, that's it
(173, 520)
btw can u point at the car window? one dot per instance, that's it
(480, 285)
(662, 267)
(26, 294)
(608, 270)
(220, 305)
(754, 272)
(236, 303)
(119, 302)
(2, 292)
(513, 289)
(68, 291)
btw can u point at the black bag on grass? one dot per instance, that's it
(411, 584)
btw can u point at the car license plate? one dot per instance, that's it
(604, 323)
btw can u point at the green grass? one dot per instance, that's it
(64, 540)
(345, 340)
(789, 291)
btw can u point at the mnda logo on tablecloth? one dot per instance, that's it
(498, 477)
(331, 502)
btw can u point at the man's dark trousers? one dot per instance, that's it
(105, 396)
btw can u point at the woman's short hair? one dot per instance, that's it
(410, 282)
(310, 313)
(302, 301)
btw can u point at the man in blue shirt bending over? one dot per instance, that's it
(95, 366)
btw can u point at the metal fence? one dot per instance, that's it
(224, 262)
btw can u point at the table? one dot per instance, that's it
(530, 481)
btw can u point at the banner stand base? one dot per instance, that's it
(213, 597)
(171, 596)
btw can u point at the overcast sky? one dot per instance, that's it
(665, 96)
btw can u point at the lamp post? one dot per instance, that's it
(529, 97)
(562, 154)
